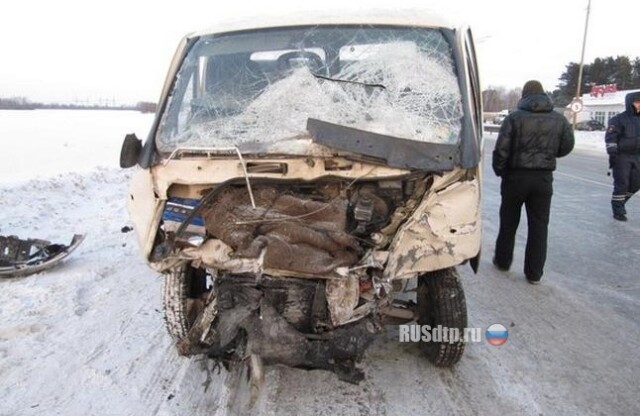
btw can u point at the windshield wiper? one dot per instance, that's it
(365, 84)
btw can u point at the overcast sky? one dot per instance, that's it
(68, 50)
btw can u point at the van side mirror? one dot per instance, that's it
(130, 152)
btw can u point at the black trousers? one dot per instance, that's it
(626, 181)
(533, 189)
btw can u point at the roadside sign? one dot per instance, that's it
(576, 105)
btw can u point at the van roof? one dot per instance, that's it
(417, 18)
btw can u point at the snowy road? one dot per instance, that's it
(87, 338)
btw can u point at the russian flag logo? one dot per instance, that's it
(497, 334)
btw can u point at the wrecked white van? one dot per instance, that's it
(299, 173)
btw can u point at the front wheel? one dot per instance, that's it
(441, 302)
(182, 298)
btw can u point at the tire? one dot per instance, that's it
(441, 301)
(183, 286)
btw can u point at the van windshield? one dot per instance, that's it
(260, 87)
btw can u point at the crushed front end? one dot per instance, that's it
(296, 177)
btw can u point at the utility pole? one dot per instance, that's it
(584, 44)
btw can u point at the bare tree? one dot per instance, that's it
(496, 99)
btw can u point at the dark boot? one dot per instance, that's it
(499, 266)
(619, 211)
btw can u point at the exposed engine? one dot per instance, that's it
(294, 268)
(305, 231)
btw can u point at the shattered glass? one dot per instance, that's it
(260, 87)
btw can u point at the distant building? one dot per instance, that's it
(602, 103)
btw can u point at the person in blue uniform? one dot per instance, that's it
(623, 147)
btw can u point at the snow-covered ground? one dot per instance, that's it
(45, 143)
(87, 337)
(58, 177)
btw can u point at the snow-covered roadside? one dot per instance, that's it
(87, 337)
(58, 328)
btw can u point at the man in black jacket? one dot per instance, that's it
(530, 140)
(623, 146)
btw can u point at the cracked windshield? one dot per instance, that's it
(260, 87)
